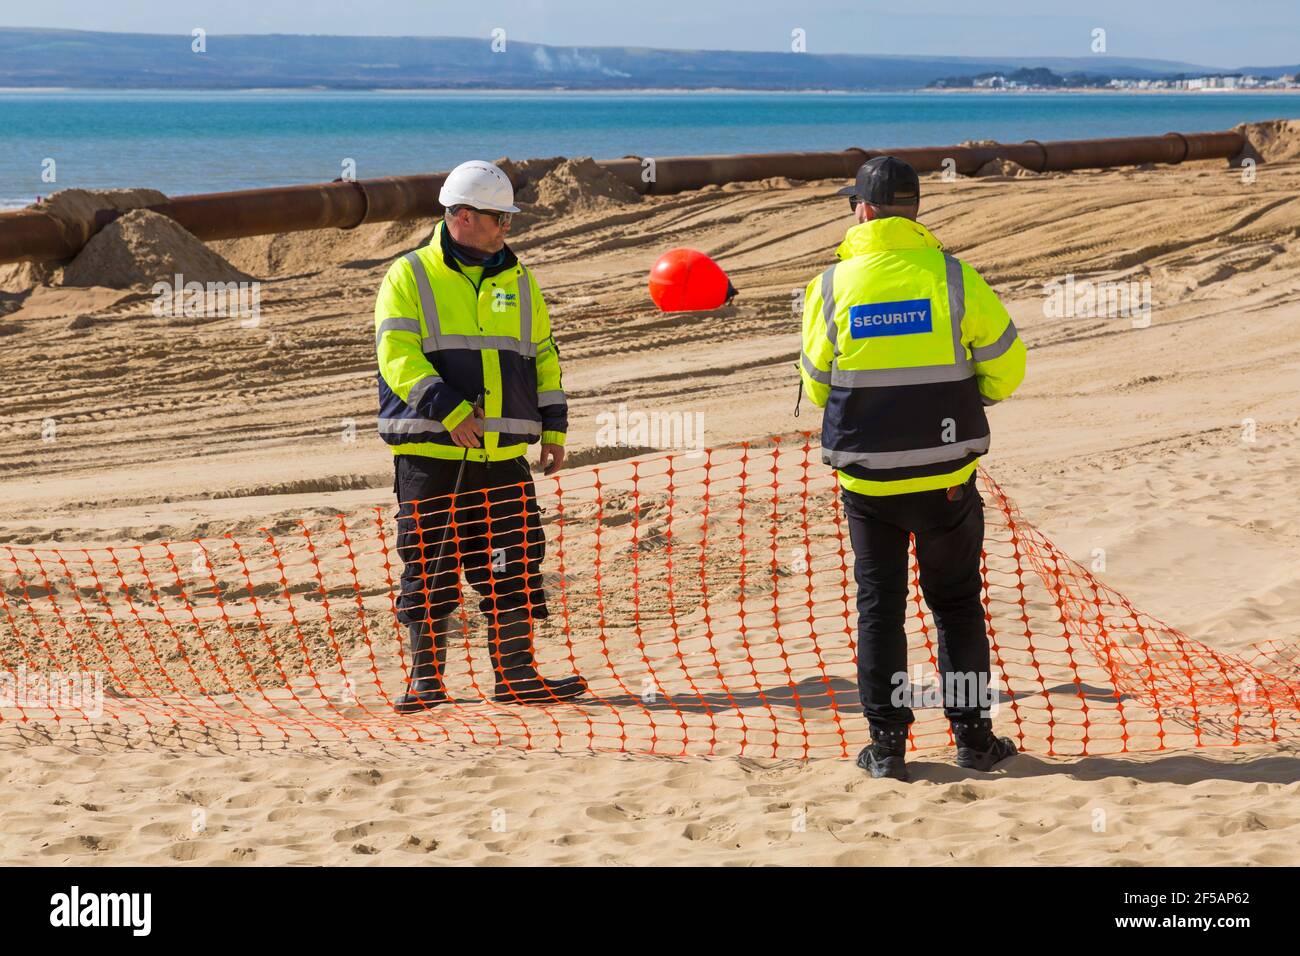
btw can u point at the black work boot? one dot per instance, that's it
(978, 748)
(885, 756)
(428, 657)
(510, 645)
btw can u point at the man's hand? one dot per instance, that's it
(552, 458)
(469, 431)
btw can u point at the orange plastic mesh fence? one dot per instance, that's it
(708, 599)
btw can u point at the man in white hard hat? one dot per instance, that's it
(469, 377)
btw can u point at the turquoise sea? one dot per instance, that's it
(192, 142)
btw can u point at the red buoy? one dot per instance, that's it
(684, 280)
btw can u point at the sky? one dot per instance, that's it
(1206, 32)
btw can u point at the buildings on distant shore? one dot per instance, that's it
(1229, 81)
(1044, 79)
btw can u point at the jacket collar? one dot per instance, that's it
(503, 261)
(883, 235)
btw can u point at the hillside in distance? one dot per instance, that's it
(32, 58)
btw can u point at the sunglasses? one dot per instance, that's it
(502, 218)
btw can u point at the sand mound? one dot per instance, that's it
(749, 185)
(1274, 141)
(80, 205)
(1004, 169)
(25, 276)
(75, 209)
(143, 247)
(527, 171)
(9, 302)
(574, 185)
(308, 252)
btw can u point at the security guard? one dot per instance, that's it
(904, 345)
(469, 376)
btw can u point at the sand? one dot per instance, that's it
(578, 185)
(74, 210)
(1004, 168)
(19, 278)
(1125, 439)
(597, 810)
(143, 247)
(1273, 141)
(559, 188)
(75, 206)
(307, 253)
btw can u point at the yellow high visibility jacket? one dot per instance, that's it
(446, 334)
(904, 345)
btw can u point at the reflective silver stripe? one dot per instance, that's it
(885, 377)
(989, 401)
(418, 389)
(554, 396)
(502, 343)
(816, 374)
(987, 353)
(904, 459)
(428, 304)
(525, 308)
(396, 324)
(409, 426)
(545, 345)
(956, 306)
(828, 311)
(515, 426)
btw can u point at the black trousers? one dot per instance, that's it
(949, 534)
(494, 536)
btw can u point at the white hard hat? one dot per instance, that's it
(480, 185)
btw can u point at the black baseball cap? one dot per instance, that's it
(885, 181)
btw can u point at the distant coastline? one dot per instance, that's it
(648, 91)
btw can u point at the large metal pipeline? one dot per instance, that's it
(680, 173)
(36, 236)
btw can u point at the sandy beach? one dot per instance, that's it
(1166, 447)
